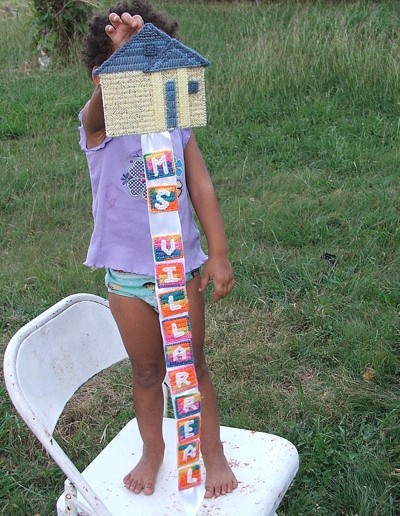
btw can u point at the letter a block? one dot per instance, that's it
(178, 354)
(188, 453)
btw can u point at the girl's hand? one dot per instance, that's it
(220, 272)
(122, 28)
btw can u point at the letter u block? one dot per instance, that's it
(167, 247)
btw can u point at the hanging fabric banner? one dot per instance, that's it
(173, 305)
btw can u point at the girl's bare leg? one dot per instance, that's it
(139, 327)
(220, 479)
(140, 331)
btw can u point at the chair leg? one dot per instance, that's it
(70, 493)
(74, 507)
(165, 389)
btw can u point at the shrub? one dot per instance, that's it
(58, 24)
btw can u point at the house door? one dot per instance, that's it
(171, 111)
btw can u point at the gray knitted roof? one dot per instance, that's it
(151, 50)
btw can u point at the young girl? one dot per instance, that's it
(121, 243)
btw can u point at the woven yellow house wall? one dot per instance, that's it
(135, 102)
(153, 84)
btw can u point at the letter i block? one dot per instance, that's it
(188, 453)
(167, 247)
(170, 275)
(189, 476)
(176, 329)
(187, 405)
(173, 302)
(159, 164)
(188, 429)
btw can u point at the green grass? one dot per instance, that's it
(303, 147)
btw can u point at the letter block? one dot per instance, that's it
(188, 429)
(179, 354)
(173, 302)
(189, 476)
(188, 452)
(176, 329)
(159, 164)
(167, 247)
(182, 379)
(162, 198)
(187, 405)
(170, 275)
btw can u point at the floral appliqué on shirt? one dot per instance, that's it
(135, 180)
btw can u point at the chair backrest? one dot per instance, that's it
(47, 361)
(53, 355)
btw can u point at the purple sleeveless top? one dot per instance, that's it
(121, 235)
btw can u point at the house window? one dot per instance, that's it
(150, 50)
(193, 86)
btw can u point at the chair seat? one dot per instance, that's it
(264, 464)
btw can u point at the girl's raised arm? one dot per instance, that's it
(120, 30)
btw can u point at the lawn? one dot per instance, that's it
(303, 147)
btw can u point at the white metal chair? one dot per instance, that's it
(57, 352)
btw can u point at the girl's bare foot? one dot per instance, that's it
(220, 479)
(143, 476)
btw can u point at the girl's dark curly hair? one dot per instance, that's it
(97, 46)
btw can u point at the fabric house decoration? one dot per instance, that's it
(152, 84)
